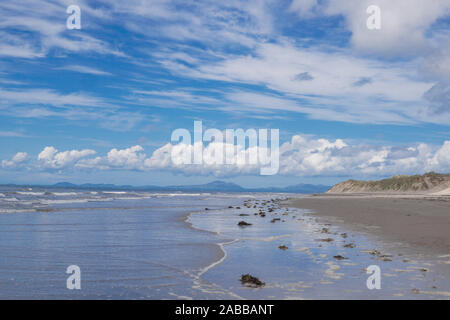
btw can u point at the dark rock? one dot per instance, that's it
(283, 247)
(251, 281)
(325, 240)
(375, 253)
(243, 224)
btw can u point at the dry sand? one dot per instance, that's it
(420, 221)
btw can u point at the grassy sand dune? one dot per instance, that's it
(428, 183)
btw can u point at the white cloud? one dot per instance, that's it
(439, 98)
(309, 156)
(130, 158)
(303, 155)
(44, 25)
(48, 97)
(11, 134)
(86, 70)
(404, 23)
(337, 87)
(217, 23)
(304, 8)
(17, 161)
(51, 158)
(441, 158)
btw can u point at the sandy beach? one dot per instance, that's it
(421, 221)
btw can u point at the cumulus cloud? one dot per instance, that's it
(17, 161)
(309, 156)
(52, 159)
(130, 158)
(302, 155)
(242, 161)
(441, 158)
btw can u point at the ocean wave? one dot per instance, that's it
(64, 201)
(16, 210)
(64, 194)
(179, 194)
(10, 199)
(29, 193)
(114, 192)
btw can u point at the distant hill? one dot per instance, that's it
(214, 186)
(219, 186)
(428, 183)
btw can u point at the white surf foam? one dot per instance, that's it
(28, 193)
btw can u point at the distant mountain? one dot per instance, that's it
(69, 185)
(65, 185)
(428, 183)
(214, 186)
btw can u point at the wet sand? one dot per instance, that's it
(299, 254)
(422, 222)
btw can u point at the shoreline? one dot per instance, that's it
(221, 249)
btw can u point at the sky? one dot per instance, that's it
(99, 104)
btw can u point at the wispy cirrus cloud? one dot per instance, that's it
(12, 134)
(48, 97)
(84, 69)
(42, 27)
(404, 23)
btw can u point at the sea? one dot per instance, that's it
(189, 245)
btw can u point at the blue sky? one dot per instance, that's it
(99, 104)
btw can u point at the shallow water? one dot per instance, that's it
(308, 269)
(128, 245)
